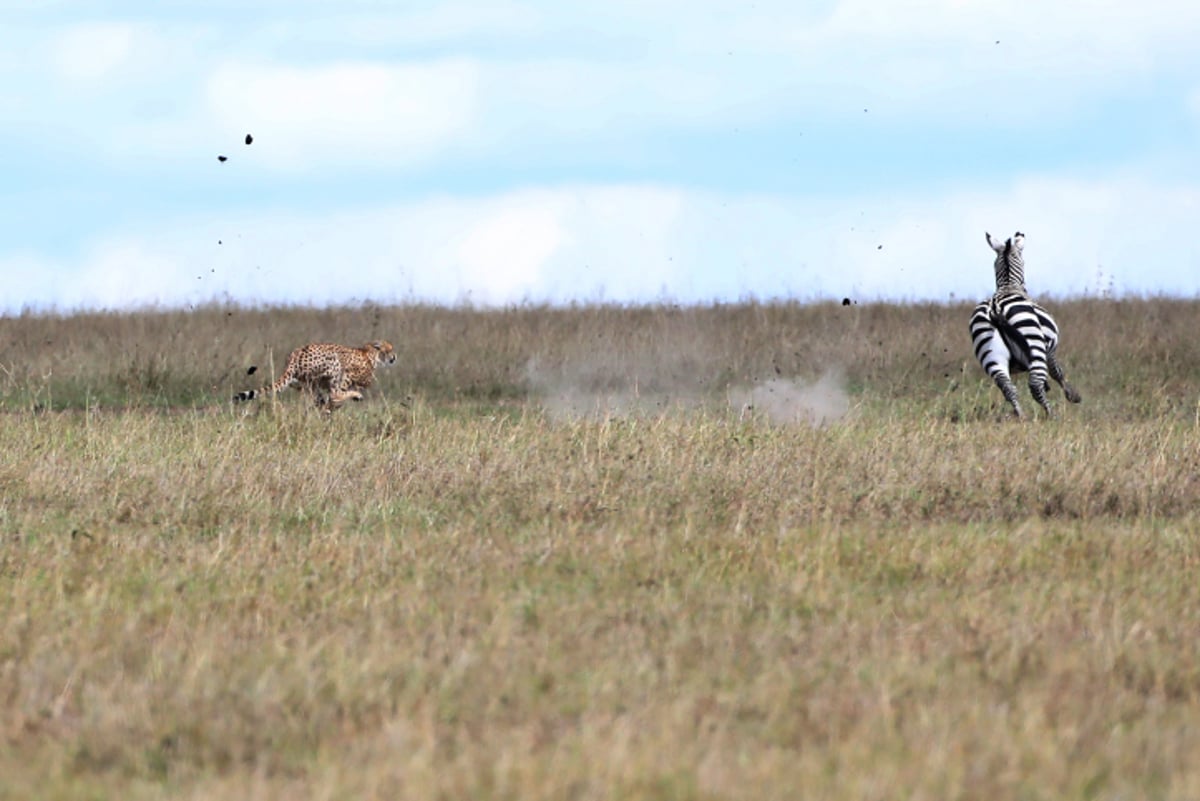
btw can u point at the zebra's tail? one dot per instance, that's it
(1010, 333)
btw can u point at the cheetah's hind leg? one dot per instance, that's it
(336, 399)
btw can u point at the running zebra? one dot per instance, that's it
(1012, 333)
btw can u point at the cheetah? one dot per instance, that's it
(333, 374)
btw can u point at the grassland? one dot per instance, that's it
(599, 553)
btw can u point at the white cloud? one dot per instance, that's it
(977, 62)
(93, 51)
(636, 243)
(504, 252)
(356, 112)
(1093, 29)
(114, 273)
(501, 96)
(420, 88)
(444, 23)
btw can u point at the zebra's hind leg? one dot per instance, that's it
(1056, 372)
(1010, 392)
(1037, 386)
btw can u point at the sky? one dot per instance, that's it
(505, 152)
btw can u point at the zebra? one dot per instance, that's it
(1011, 333)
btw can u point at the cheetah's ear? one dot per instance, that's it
(377, 345)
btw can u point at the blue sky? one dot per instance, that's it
(503, 152)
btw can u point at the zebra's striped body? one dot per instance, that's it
(1011, 333)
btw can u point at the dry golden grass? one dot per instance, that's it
(1134, 359)
(557, 555)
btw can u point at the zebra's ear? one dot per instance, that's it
(996, 246)
(1018, 240)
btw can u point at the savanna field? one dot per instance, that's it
(759, 551)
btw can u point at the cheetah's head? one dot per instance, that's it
(383, 351)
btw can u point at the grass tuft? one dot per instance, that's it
(598, 552)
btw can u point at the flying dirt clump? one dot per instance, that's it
(783, 401)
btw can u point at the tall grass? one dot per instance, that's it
(465, 588)
(1133, 358)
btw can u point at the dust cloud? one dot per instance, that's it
(608, 385)
(784, 401)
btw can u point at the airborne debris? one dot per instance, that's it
(249, 138)
(252, 369)
(845, 301)
(222, 159)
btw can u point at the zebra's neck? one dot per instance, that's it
(1010, 277)
(1010, 269)
(1010, 287)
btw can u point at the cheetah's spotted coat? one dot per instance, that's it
(333, 374)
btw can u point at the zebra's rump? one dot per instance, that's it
(1018, 324)
(1028, 331)
(1015, 340)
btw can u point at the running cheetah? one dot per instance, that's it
(333, 374)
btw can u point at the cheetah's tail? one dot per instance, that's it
(284, 381)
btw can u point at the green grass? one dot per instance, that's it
(534, 566)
